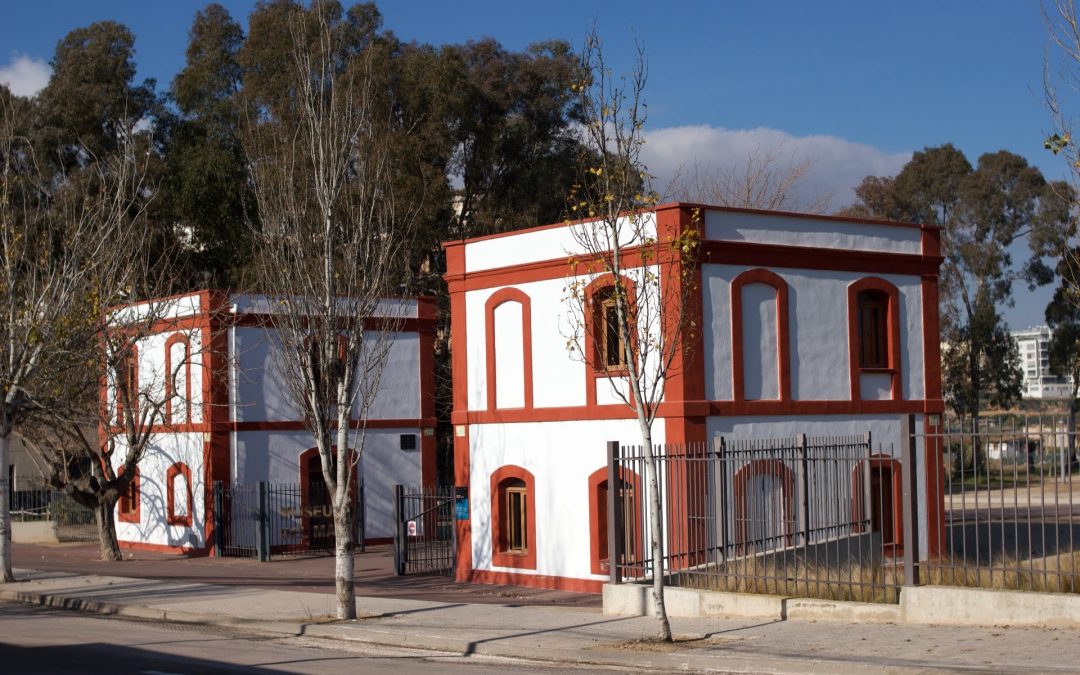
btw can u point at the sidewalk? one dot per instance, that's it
(565, 634)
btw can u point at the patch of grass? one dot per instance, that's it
(796, 577)
(1052, 574)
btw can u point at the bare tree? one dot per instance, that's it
(770, 180)
(1061, 83)
(330, 250)
(69, 247)
(640, 320)
(89, 440)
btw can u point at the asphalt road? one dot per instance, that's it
(42, 640)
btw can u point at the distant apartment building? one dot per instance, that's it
(1039, 380)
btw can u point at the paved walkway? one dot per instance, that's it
(549, 631)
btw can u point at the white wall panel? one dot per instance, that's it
(811, 232)
(761, 378)
(509, 356)
(561, 456)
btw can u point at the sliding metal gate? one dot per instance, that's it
(425, 541)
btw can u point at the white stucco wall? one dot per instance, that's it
(260, 392)
(792, 231)
(152, 373)
(153, 528)
(818, 339)
(885, 431)
(561, 456)
(541, 244)
(761, 377)
(509, 356)
(274, 456)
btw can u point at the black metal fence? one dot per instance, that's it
(425, 539)
(71, 521)
(816, 517)
(1010, 512)
(265, 520)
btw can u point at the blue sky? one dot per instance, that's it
(853, 86)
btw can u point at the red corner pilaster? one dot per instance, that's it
(455, 279)
(215, 389)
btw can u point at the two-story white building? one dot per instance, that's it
(809, 324)
(228, 417)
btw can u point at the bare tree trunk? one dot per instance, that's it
(5, 508)
(343, 563)
(656, 543)
(104, 514)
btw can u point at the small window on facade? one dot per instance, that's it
(873, 307)
(128, 504)
(127, 386)
(627, 508)
(515, 517)
(178, 482)
(610, 347)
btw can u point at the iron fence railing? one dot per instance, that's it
(804, 516)
(265, 520)
(70, 520)
(1010, 514)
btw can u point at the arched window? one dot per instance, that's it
(178, 494)
(513, 518)
(884, 513)
(761, 364)
(508, 315)
(874, 339)
(764, 505)
(127, 508)
(178, 380)
(127, 384)
(628, 500)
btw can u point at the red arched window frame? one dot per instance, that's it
(498, 298)
(783, 332)
(178, 469)
(599, 550)
(753, 469)
(594, 296)
(128, 507)
(305, 482)
(171, 370)
(891, 334)
(501, 555)
(128, 372)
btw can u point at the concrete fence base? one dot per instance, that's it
(918, 605)
(34, 532)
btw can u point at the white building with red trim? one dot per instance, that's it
(780, 353)
(228, 417)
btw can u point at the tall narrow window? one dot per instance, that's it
(127, 385)
(873, 307)
(513, 518)
(515, 537)
(178, 380)
(179, 498)
(128, 506)
(614, 348)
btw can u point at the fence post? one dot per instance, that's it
(399, 537)
(804, 470)
(615, 515)
(361, 514)
(262, 524)
(909, 468)
(219, 518)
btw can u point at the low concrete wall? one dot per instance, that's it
(920, 605)
(33, 532)
(983, 607)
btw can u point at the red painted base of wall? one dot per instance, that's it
(163, 548)
(533, 580)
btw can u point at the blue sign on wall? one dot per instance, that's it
(461, 508)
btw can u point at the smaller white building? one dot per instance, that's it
(1039, 381)
(229, 417)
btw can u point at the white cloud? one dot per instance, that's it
(837, 167)
(25, 76)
